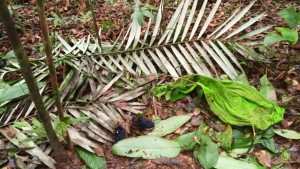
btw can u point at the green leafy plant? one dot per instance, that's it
(292, 18)
(286, 34)
(56, 19)
(207, 153)
(62, 126)
(91, 159)
(141, 12)
(106, 24)
(205, 150)
(13, 8)
(85, 17)
(36, 131)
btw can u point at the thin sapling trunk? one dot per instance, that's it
(22, 58)
(51, 66)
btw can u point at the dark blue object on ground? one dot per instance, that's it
(2, 63)
(141, 122)
(120, 133)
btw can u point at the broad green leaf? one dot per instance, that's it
(13, 92)
(290, 16)
(269, 144)
(90, 159)
(226, 162)
(267, 133)
(187, 141)
(272, 38)
(290, 134)
(225, 138)
(241, 139)
(169, 125)
(267, 89)
(147, 147)
(207, 154)
(223, 96)
(289, 35)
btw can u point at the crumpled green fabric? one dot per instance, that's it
(232, 102)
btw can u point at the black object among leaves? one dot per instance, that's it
(120, 133)
(141, 122)
(136, 121)
(2, 63)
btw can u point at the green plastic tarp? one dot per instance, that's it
(234, 103)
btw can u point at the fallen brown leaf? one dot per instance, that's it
(99, 151)
(10, 131)
(264, 158)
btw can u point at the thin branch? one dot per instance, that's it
(52, 70)
(92, 7)
(22, 59)
(16, 149)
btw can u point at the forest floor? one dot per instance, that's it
(72, 21)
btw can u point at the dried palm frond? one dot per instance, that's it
(107, 82)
